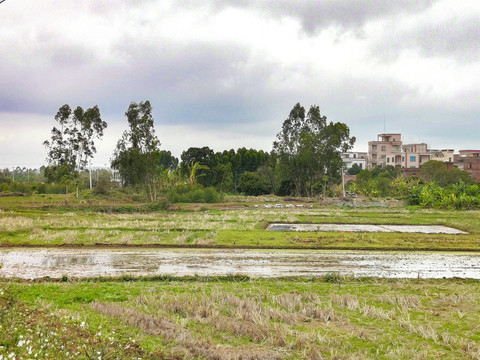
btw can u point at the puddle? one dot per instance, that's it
(423, 229)
(37, 263)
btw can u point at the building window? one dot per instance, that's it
(403, 158)
(413, 158)
(412, 167)
(388, 160)
(384, 148)
(469, 165)
(354, 156)
(360, 165)
(383, 156)
(374, 147)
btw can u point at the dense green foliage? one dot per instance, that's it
(101, 182)
(305, 161)
(354, 170)
(193, 194)
(137, 156)
(309, 150)
(437, 171)
(72, 144)
(437, 187)
(221, 169)
(31, 188)
(253, 184)
(461, 196)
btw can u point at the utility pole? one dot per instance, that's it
(343, 180)
(90, 174)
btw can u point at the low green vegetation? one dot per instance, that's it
(435, 187)
(194, 194)
(59, 220)
(431, 195)
(232, 318)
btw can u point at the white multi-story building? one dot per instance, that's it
(359, 158)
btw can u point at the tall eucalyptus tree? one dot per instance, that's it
(309, 149)
(72, 142)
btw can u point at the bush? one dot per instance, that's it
(193, 194)
(29, 188)
(251, 183)
(160, 205)
(431, 195)
(103, 186)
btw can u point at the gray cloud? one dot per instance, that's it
(315, 15)
(227, 87)
(456, 38)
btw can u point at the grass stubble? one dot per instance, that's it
(227, 318)
(235, 228)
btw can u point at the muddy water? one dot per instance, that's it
(37, 263)
(422, 229)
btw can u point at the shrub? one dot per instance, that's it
(193, 194)
(431, 195)
(160, 205)
(103, 186)
(251, 183)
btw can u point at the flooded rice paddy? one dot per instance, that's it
(422, 229)
(37, 263)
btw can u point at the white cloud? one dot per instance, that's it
(229, 72)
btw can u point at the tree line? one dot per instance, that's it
(304, 160)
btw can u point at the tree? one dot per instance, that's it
(387, 171)
(434, 170)
(223, 176)
(205, 158)
(73, 143)
(309, 149)
(363, 183)
(354, 170)
(137, 155)
(251, 183)
(437, 171)
(5, 175)
(168, 161)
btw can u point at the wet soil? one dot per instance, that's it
(32, 263)
(422, 229)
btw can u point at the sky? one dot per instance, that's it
(225, 74)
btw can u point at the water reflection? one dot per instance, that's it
(36, 263)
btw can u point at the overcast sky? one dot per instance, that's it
(225, 74)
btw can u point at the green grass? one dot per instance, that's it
(52, 225)
(203, 318)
